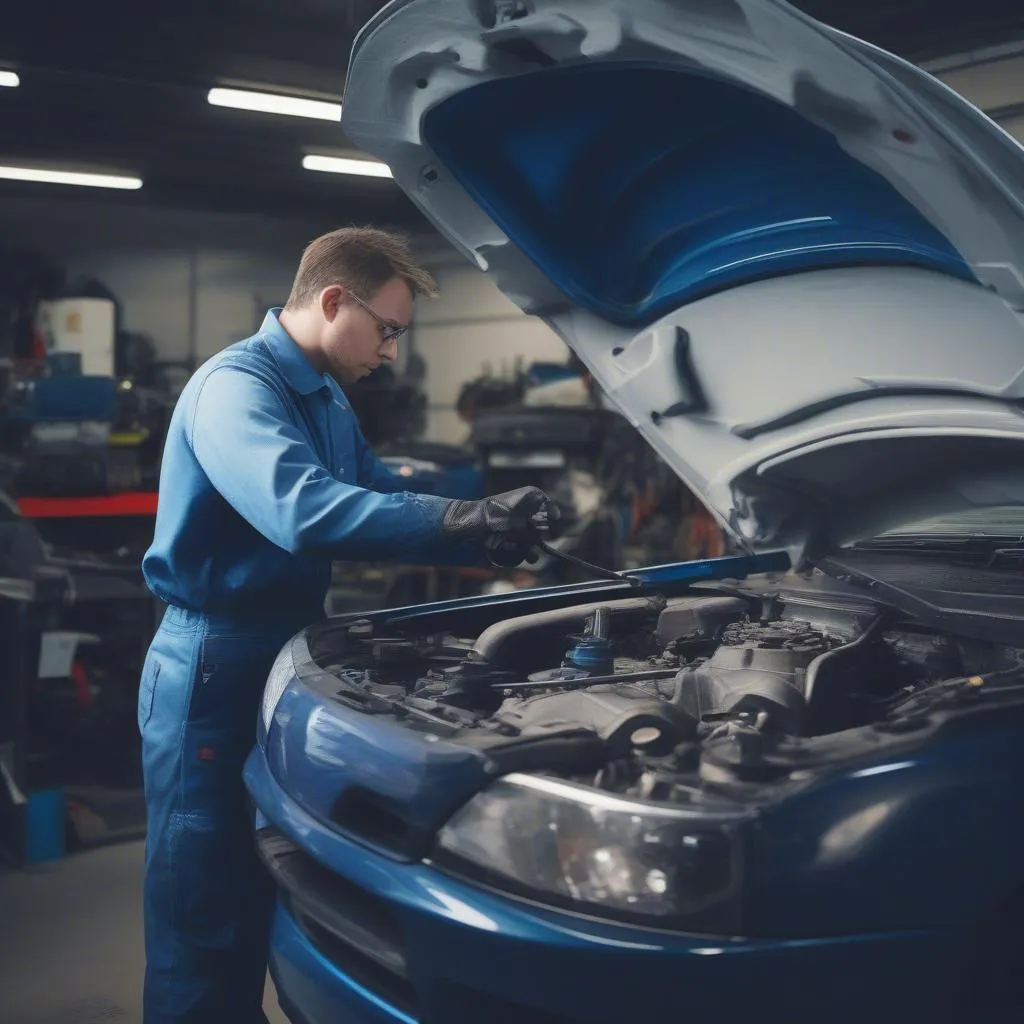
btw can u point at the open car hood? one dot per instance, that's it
(794, 261)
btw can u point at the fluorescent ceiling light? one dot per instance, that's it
(9, 79)
(52, 177)
(346, 165)
(272, 103)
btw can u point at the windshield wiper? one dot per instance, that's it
(994, 549)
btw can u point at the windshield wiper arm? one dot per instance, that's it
(995, 551)
(959, 540)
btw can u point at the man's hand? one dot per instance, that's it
(509, 525)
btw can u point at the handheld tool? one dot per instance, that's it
(542, 525)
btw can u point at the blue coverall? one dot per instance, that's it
(265, 479)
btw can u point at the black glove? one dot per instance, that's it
(509, 525)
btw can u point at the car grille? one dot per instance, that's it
(348, 926)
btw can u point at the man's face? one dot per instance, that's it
(358, 329)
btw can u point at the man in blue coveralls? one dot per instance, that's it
(266, 478)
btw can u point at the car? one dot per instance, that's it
(784, 785)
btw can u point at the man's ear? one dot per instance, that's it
(332, 299)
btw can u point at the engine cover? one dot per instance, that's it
(755, 668)
(627, 716)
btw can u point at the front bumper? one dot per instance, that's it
(361, 938)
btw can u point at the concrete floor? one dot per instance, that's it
(71, 941)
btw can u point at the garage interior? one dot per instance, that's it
(112, 296)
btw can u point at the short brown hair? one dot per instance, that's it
(361, 259)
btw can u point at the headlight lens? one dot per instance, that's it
(282, 672)
(583, 846)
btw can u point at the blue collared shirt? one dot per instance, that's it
(266, 478)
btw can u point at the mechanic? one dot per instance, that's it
(266, 478)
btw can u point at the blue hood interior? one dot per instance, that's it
(638, 188)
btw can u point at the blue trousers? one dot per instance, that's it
(207, 901)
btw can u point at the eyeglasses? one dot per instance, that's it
(390, 330)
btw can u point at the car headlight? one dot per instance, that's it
(282, 672)
(595, 851)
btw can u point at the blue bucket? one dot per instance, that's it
(44, 826)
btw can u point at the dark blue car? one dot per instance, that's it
(784, 786)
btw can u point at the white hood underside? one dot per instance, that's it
(808, 408)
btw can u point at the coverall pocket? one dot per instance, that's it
(147, 689)
(232, 673)
(211, 772)
(221, 726)
(207, 891)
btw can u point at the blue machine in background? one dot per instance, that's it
(58, 430)
(65, 396)
(447, 470)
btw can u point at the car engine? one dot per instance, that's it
(637, 692)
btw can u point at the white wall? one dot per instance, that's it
(153, 287)
(192, 302)
(993, 84)
(234, 289)
(1015, 126)
(471, 328)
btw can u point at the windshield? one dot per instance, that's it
(999, 521)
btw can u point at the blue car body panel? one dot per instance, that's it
(321, 756)
(474, 955)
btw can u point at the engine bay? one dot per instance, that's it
(642, 694)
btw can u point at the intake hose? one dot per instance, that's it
(493, 642)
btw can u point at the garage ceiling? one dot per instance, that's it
(105, 85)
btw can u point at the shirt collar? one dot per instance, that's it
(295, 367)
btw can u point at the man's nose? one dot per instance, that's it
(389, 351)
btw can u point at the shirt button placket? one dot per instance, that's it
(328, 436)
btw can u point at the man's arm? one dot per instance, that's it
(373, 473)
(377, 477)
(260, 462)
